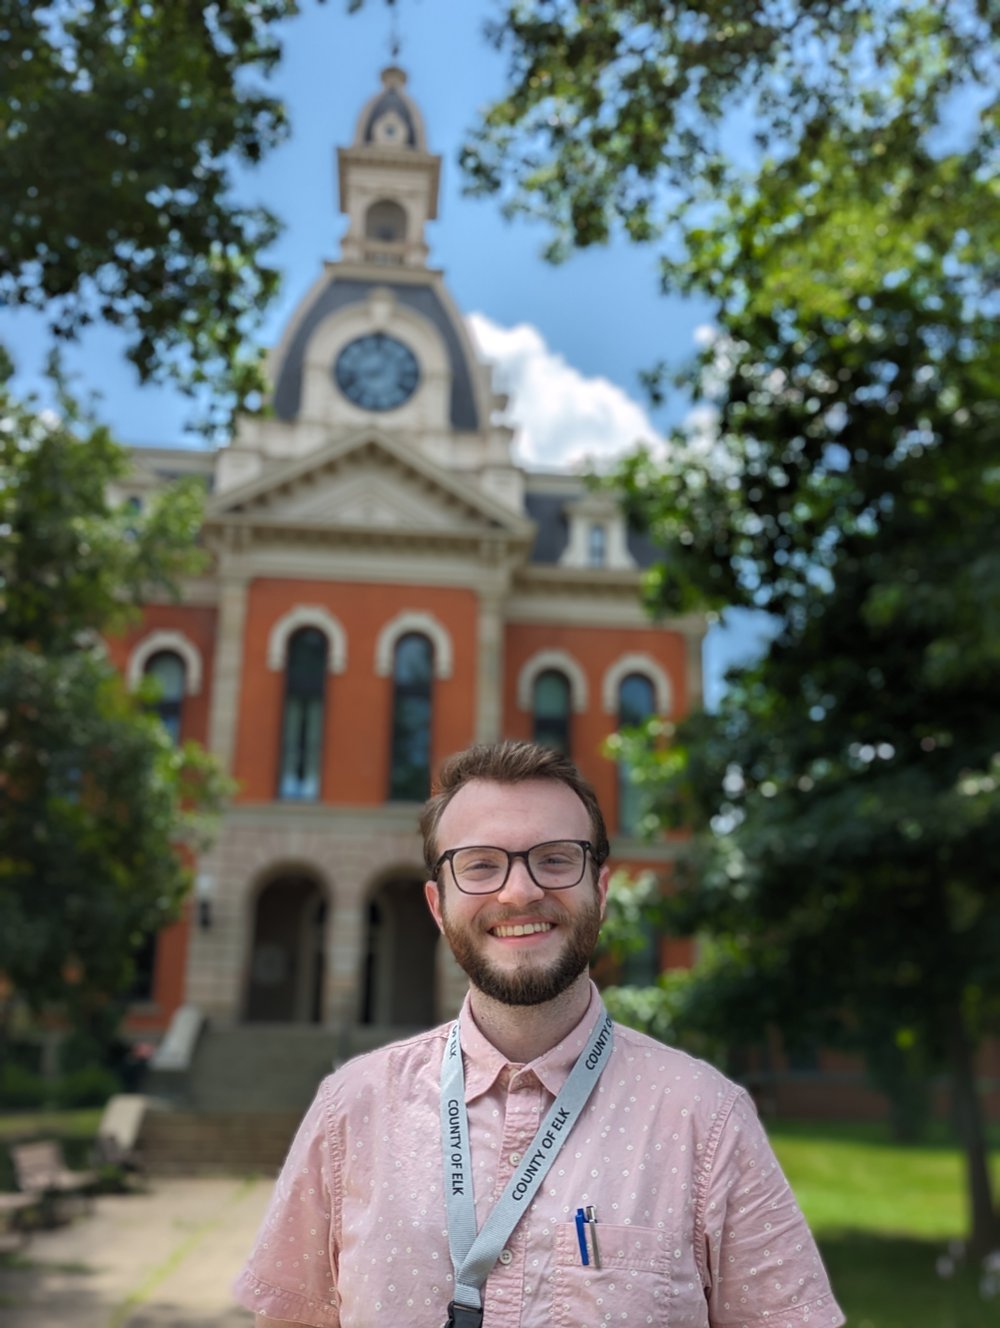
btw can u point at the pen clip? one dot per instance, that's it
(591, 1218)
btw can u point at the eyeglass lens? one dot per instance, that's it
(553, 866)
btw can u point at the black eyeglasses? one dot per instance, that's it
(557, 864)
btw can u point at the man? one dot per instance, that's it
(532, 1164)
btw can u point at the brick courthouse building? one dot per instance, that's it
(387, 585)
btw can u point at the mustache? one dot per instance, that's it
(509, 915)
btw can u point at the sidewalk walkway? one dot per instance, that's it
(165, 1259)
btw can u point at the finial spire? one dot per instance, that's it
(395, 41)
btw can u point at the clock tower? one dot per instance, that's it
(377, 342)
(388, 180)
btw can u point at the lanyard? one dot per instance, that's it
(472, 1254)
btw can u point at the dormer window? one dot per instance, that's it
(597, 535)
(597, 544)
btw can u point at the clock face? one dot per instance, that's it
(377, 372)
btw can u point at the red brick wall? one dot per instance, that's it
(595, 649)
(358, 717)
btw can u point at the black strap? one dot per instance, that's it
(464, 1316)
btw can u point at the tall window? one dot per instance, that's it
(144, 969)
(412, 675)
(302, 722)
(636, 702)
(597, 544)
(168, 672)
(551, 710)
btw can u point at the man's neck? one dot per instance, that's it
(524, 1032)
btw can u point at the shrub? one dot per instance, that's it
(90, 1086)
(23, 1089)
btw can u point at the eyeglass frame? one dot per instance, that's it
(449, 856)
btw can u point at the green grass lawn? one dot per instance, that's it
(884, 1215)
(75, 1131)
(80, 1124)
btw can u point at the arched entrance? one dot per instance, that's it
(399, 959)
(285, 982)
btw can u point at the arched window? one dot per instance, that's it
(302, 720)
(551, 709)
(385, 221)
(636, 702)
(167, 670)
(412, 676)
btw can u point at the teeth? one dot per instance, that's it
(522, 929)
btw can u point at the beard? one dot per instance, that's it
(532, 982)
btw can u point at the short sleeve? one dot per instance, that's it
(763, 1266)
(292, 1272)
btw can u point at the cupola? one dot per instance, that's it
(388, 180)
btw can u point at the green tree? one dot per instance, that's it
(121, 126)
(637, 116)
(846, 797)
(849, 788)
(97, 806)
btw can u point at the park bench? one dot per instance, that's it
(117, 1142)
(40, 1170)
(16, 1210)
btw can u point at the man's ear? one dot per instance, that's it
(432, 893)
(603, 880)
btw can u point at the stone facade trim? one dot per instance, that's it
(307, 615)
(174, 642)
(636, 663)
(552, 659)
(409, 621)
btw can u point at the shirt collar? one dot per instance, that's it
(484, 1064)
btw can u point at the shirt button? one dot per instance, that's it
(506, 1256)
(514, 1159)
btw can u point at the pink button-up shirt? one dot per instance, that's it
(697, 1225)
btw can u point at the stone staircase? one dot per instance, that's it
(190, 1143)
(259, 1067)
(238, 1106)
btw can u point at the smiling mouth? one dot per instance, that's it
(521, 929)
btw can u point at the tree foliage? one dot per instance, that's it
(843, 477)
(122, 124)
(96, 804)
(640, 115)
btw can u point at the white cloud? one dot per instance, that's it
(561, 418)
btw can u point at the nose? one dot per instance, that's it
(519, 886)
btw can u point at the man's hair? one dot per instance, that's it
(510, 762)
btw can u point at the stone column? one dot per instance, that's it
(694, 638)
(489, 663)
(228, 669)
(345, 956)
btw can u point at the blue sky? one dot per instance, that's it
(569, 341)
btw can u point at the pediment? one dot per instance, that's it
(368, 483)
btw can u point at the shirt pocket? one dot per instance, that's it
(634, 1277)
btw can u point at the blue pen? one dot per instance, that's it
(581, 1236)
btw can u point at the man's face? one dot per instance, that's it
(562, 925)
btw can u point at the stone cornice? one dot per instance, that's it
(239, 533)
(543, 578)
(380, 275)
(359, 822)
